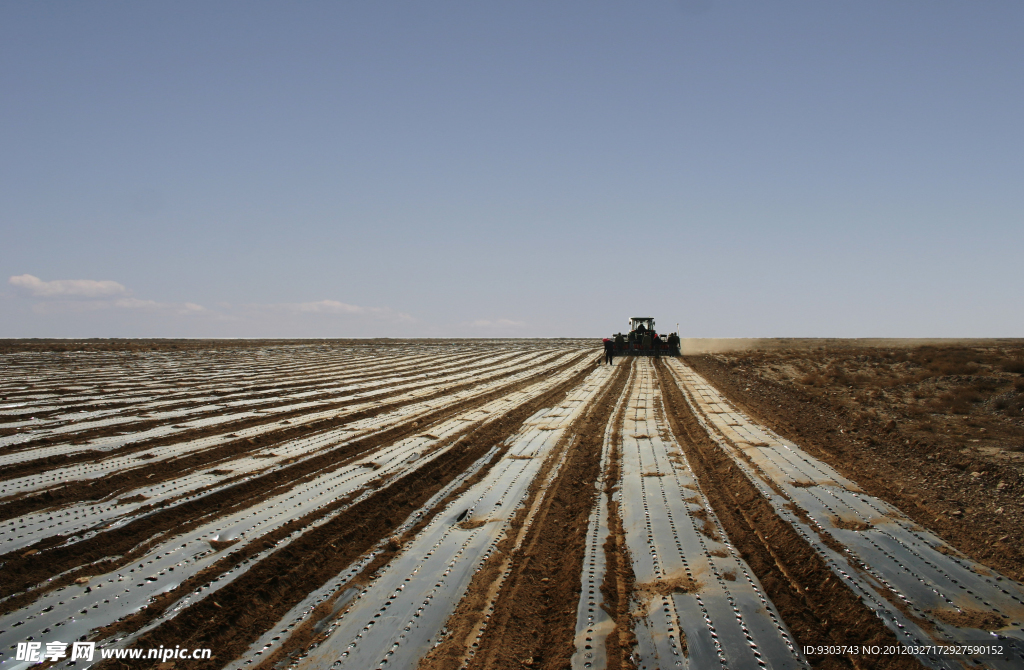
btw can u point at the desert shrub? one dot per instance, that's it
(958, 406)
(985, 385)
(811, 379)
(967, 394)
(958, 401)
(891, 356)
(1014, 406)
(1019, 385)
(953, 367)
(1016, 367)
(910, 378)
(949, 361)
(837, 375)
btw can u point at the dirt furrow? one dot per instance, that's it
(48, 463)
(619, 580)
(351, 371)
(104, 552)
(534, 615)
(816, 606)
(229, 622)
(112, 485)
(938, 490)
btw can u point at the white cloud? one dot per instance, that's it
(326, 307)
(333, 307)
(135, 303)
(123, 304)
(497, 323)
(87, 296)
(66, 288)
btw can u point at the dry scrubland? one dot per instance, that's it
(938, 429)
(511, 504)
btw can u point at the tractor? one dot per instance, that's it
(644, 340)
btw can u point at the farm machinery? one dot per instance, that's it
(643, 340)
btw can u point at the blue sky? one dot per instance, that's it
(330, 169)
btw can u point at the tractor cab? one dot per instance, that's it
(641, 324)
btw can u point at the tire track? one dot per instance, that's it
(533, 616)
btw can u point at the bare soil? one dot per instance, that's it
(937, 431)
(534, 617)
(229, 622)
(817, 607)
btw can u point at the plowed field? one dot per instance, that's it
(492, 504)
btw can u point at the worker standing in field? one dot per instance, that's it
(632, 340)
(620, 342)
(673, 341)
(657, 344)
(647, 343)
(609, 351)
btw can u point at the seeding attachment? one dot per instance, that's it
(643, 340)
